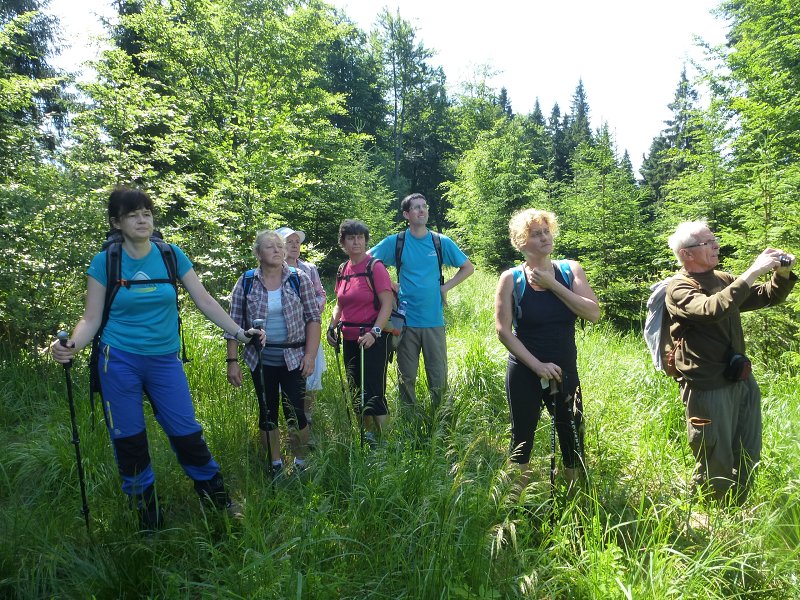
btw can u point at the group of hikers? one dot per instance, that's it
(132, 317)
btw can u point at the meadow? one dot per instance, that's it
(430, 513)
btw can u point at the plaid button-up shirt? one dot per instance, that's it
(297, 312)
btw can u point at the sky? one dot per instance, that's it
(628, 53)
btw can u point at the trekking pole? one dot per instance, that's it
(63, 336)
(553, 391)
(575, 437)
(361, 334)
(347, 400)
(259, 324)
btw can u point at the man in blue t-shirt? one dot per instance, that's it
(424, 297)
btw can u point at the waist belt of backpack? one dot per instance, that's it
(364, 325)
(285, 344)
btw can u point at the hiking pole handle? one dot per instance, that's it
(63, 336)
(258, 324)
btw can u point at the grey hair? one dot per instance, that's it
(685, 235)
(268, 234)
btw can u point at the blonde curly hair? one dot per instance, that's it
(519, 227)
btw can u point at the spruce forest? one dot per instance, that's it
(237, 116)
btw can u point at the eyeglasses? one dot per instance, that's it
(420, 207)
(716, 241)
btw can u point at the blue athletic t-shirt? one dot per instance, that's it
(143, 318)
(419, 274)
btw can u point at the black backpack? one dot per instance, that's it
(113, 249)
(401, 242)
(367, 273)
(397, 320)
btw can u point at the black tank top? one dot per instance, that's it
(547, 326)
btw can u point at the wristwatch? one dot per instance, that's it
(376, 331)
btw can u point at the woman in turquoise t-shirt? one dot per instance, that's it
(139, 356)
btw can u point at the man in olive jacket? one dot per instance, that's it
(722, 399)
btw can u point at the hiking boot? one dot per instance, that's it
(213, 491)
(371, 440)
(234, 509)
(148, 509)
(277, 471)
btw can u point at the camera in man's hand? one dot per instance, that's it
(785, 260)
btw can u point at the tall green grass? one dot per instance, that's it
(429, 514)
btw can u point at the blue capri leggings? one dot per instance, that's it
(125, 379)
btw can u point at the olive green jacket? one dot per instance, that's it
(708, 320)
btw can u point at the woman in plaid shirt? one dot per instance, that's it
(287, 302)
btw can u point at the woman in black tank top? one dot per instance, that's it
(536, 306)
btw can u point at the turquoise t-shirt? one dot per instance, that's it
(143, 318)
(419, 275)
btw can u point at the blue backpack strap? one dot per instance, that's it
(247, 281)
(518, 274)
(247, 285)
(566, 272)
(294, 281)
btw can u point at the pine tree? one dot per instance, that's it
(668, 151)
(579, 130)
(558, 168)
(504, 102)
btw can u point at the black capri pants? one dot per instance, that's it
(525, 400)
(294, 391)
(376, 359)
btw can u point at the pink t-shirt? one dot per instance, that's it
(355, 297)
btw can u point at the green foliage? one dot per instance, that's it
(45, 237)
(602, 226)
(493, 180)
(230, 127)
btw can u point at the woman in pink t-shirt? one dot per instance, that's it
(363, 306)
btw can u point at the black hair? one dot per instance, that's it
(353, 227)
(405, 203)
(123, 200)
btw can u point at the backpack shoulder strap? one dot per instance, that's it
(518, 274)
(247, 281)
(247, 285)
(371, 281)
(171, 263)
(113, 278)
(169, 258)
(294, 281)
(400, 242)
(566, 272)
(437, 245)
